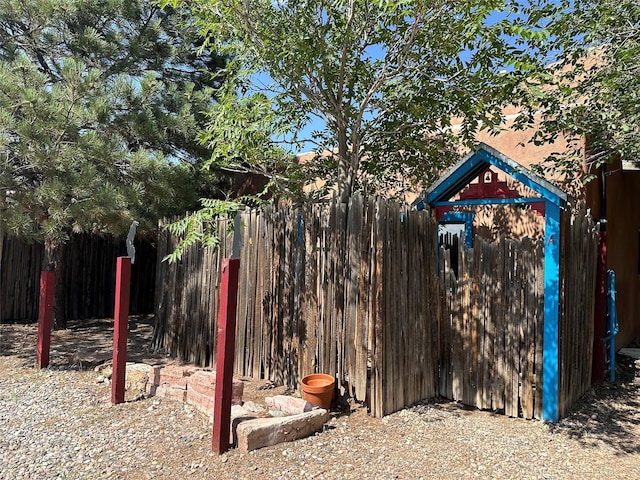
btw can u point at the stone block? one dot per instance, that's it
(90, 359)
(136, 379)
(251, 407)
(263, 432)
(204, 383)
(289, 405)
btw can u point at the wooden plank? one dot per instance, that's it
(512, 350)
(478, 318)
(378, 365)
(518, 332)
(457, 343)
(538, 330)
(530, 341)
(364, 311)
(246, 296)
(449, 286)
(488, 358)
(390, 310)
(497, 397)
(399, 343)
(464, 273)
(416, 327)
(262, 265)
(270, 303)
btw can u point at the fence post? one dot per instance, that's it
(120, 332)
(550, 354)
(45, 316)
(225, 354)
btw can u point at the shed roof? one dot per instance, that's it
(473, 164)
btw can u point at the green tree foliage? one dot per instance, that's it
(100, 102)
(385, 78)
(589, 85)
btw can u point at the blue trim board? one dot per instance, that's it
(550, 358)
(525, 176)
(458, 217)
(465, 171)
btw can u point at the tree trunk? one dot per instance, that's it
(346, 174)
(54, 261)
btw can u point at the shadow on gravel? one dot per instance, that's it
(84, 344)
(608, 413)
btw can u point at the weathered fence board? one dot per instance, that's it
(578, 287)
(86, 272)
(489, 337)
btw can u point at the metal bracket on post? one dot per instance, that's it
(131, 250)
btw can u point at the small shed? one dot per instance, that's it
(548, 199)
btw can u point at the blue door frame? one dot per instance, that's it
(459, 176)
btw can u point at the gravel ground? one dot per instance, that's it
(59, 423)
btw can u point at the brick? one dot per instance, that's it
(203, 403)
(237, 390)
(263, 432)
(174, 375)
(172, 393)
(204, 377)
(289, 405)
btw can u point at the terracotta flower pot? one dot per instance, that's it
(318, 389)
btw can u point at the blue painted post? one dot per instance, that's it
(550, 359)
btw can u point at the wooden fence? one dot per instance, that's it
(87, 272)
(352, 291)
(579, 256)
(19, 281)
(337, 289)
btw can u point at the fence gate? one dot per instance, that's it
(490, 326)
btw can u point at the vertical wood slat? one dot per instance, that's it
(348, 318)
(496, 366)
(87, 274)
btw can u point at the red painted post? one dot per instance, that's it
(45, 317)
(225, 354)
(120, 333)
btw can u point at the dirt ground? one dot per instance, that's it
(88, 343)
(599, 438)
